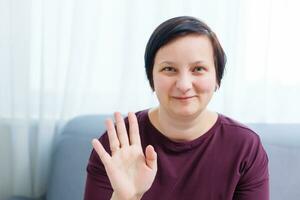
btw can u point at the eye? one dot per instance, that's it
(198, 69)
(169, 69)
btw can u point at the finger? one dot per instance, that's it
(121, 130)
(112, 136)
(103, 155)
(134, 129)
(151, 157)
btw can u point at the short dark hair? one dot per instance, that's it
(178, 27)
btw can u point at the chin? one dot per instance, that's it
(187, 112)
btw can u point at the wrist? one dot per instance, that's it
(117, 197)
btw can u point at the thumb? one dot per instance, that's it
(151, 157)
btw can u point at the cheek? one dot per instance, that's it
(206, 84)
(161, 84)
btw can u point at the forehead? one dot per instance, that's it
(190, 48)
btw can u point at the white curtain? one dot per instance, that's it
(63, 58)
(262, 83)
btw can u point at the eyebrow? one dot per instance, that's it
(172, 63)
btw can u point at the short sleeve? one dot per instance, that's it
(254, 180)
(97, 186)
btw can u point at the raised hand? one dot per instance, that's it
(131, 173)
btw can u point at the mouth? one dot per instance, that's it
(184, 98)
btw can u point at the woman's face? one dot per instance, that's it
(184, 75)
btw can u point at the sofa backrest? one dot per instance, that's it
(282, 144)
(71, 153)
(73, 147)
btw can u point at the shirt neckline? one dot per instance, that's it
(180, 146)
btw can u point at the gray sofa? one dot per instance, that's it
(73, 147)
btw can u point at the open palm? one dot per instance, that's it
(130, 171)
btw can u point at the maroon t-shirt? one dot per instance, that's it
(227, 162)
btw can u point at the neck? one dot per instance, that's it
(185, 128)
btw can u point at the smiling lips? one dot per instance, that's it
(184, 98)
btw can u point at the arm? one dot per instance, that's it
(254, 181)
(129, 172)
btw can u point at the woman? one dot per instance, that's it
(179, 150)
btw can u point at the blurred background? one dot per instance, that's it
(64, 58)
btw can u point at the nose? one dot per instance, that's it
(184, 83)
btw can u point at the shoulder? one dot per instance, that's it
(142, 116)
(238, 134)
(235, 128)
(244, 143)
